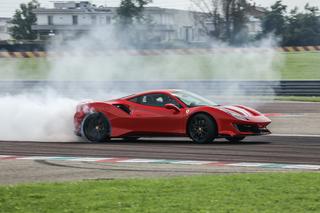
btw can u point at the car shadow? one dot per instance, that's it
(186, 142)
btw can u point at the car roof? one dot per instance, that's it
(164, 91)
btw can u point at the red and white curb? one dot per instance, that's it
(160, 161)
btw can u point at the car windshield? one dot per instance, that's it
(193, 100)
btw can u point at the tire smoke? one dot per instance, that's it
(46, 113)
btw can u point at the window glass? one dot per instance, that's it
(108, 20)
(158, 100)
(135, 100)
(75, 20)
(193, 100)
(50, 20)
(94, 19)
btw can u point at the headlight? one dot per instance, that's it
(235, 115)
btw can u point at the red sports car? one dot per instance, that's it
(167, 113)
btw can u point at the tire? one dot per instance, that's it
(235, 139)
(96, 128)
(130, 139)
(202, 128)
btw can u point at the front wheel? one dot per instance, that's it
(202, 128)
(235, 139)
(96, 127)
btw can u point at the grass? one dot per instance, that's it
(301, 66)
(238, 66)
(284, 192)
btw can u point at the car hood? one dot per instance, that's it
(241, 110)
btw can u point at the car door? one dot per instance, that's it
(151, 117)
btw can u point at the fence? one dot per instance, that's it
(208, 88)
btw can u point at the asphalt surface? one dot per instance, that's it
(274, 149)
(301, 118)
(286, 107)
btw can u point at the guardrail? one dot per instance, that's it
(208, 88)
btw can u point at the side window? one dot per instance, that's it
(173, 101)
(153, 100)
(135, 100)
(158, 100)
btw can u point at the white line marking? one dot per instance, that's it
(89, 159)
(311, 167)
(182, 162)
(141, 161)
(248, 164)
(35, 158)
(192, 162)
(295, 135)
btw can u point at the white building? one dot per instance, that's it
(4, 25)
(256, 14)
(74, 17)
(78, 17)
(163, 24)
(172, 24)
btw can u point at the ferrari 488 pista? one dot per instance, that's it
(166, 113)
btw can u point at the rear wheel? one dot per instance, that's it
(235, 139)
(96, 128)
(202, 128)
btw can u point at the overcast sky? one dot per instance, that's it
(7, 7)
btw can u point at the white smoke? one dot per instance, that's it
(37, 117)
(46, 114)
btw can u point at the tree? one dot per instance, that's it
(131, 10)
(210, 12)
(237, 21)
(130, 18)
(275, 19)
(303, 28)
(22, 21)
(227, 17)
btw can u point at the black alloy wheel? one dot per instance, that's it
(202, 128)
(96, 127)
(235, 139)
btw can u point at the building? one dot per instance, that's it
(255, 15)
(4, 25)
(78, 17)
(70, 17)
(162, 24)
(174, 25)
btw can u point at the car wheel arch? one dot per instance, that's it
(88, 115)
(197, 113)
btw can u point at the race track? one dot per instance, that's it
(273, 149)
(286, 149)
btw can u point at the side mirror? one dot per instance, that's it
(172, 106)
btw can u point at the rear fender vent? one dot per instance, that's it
(123, 108)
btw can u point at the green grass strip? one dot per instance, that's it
(286, 66)
(281, 192)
